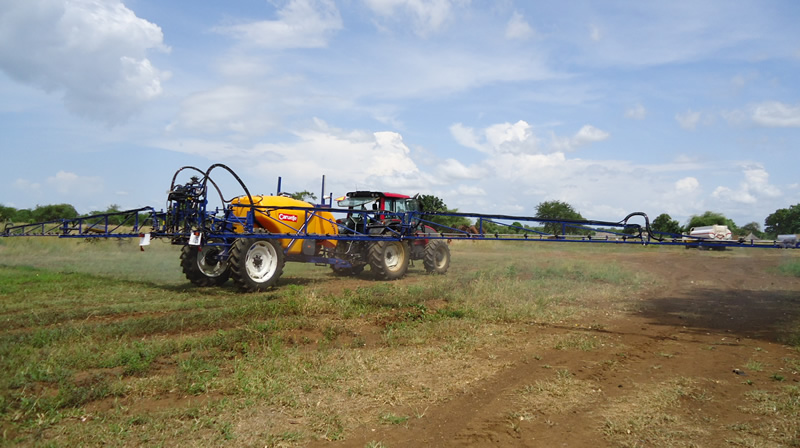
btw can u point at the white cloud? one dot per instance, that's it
(725, 193)
(300, 24)
(689, 119)
(374, 159)
(66, 183)
(589, 134)
(756, 179)
(427, 16)
(586, 135)
(434, 71)
(735, 116)
(637, 112)
(515, 166)
(452, 169)
(93, 52)
(687, 185)
(26, 185)
(498, 138)
(518, 27)
(229, 108)
(776, 114)
(466, 136)
(518, 138)
(754, 186)
(511, 138)
(464, 190)
(682, 198)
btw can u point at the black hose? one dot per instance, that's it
(238, 179)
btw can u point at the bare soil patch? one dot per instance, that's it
(692, 362)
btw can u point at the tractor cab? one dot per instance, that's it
(369, 204)
(378, 201)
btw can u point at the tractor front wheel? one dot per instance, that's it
(203, 267)
(437, 257)
(388, 260)
(256, 264)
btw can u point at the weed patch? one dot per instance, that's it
(791, 268)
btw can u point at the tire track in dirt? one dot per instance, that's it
(486, 414)
(694, 327)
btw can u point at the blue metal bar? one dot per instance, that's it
(101, 226)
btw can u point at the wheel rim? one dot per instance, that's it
(208, 263)
(261, 261)
(440, 258)
(392, 256)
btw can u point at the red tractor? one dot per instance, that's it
(373, 214)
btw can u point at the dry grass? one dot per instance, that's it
(106, 344)
(655, 416)
(103, 344)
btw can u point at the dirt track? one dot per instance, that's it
(693, 363)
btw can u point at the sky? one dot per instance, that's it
(614, 107)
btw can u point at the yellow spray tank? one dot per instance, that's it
(271, 214)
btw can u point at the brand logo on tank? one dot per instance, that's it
(285, 217)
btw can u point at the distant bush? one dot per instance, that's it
(52, 212)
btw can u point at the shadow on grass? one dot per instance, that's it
(767, 315)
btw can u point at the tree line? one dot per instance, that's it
(51, 212)
(782, 222)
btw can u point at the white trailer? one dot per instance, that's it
(715, 232)
(788, 241)
(704, 237)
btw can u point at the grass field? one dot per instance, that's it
(104, 344)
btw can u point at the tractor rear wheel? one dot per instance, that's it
(388, 260)
(256, 264)
(437, 257)
(202, 266)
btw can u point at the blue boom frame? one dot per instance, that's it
(187, 215)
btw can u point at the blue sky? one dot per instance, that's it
(494, 106)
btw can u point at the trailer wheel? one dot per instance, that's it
(437, 257)
(256, 264)
(388, 260)
(202, 267)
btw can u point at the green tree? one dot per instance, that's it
(753, 228)
(665, 223)
(710, 218)
(113, 208)
(783, 222)
(54, 212)
(489, 227)
(433, 204)
(558, 210)
(430, 203)
(304, 195)
(24, 215)
(7, 213)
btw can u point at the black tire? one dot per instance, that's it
(388, 260)
(256, 264)
(437, 257)
(201, 266)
